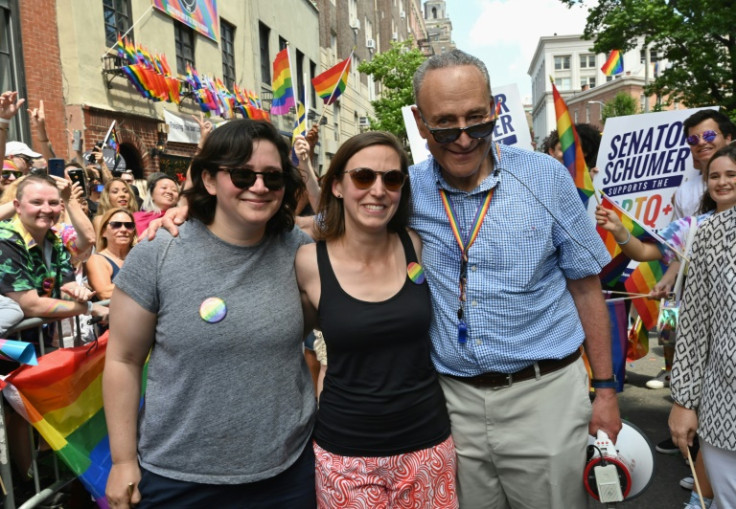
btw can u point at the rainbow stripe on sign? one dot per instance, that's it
(332, 83)
(283, 92)
(201, 15)
(572, 150)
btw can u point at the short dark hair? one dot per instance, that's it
(331, 225)
(724, 123)
(34, 179)
(590, 141)
(708, 203)
(550, 141)
(231, 145)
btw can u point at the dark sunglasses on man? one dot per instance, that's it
(449, 134)
(11, 173)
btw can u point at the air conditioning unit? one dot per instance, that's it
(402, 15)
(370, 44)
(355, 24)
(395, 36)
(364, 122)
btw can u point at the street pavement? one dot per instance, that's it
(648, 410)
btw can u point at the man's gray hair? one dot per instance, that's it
(454, 58)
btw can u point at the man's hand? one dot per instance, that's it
(205, 127)
(64, 187)
(77, 292)
(10, 104)
(38, 117)
(605, 414)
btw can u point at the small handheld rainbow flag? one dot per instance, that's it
(638, 341)
(331, 84)
(283, 92)
(572, 150)
(642, 280)
(614, 65)
(300, 129)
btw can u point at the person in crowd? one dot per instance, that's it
(590, 139)
(115, 238)
(720, 196)
(704, 368)
(21, 155)
(706, 132)
(382, 437)
(115, 194)
(229, 406)
(9, 174)
(163, 193)
(9, 106)
(512, 304)
(128, 177)
(94, 188)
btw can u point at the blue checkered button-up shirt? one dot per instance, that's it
(536, 235)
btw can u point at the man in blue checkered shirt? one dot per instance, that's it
(511, 314)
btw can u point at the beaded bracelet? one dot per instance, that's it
(625, 241)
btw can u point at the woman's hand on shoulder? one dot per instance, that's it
(171, 220)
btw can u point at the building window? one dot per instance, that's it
(227, 38)
(312, 74)
(116, 14)
(563, 83)
(184, 42)
(562, 63)
(264, 34)
(298, 80)
(587, 61)
(587, 80)
(282, 43)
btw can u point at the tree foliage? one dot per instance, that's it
(697, 38)
(621, 105)
(394, 70)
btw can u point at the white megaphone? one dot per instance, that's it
(614, 473)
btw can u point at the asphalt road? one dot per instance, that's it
(648, 409)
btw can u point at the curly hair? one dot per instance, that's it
(331, 209)
(231, 145)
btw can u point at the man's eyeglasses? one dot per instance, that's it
(244, 178)
(450, 134)
(364, 178)
(116, 225)
(708, 137)
(12, 173)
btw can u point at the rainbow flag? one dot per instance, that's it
(572, 150)
(283, 92)
(638, 341)
(62, 398)
(642, 280)
(300, 129)
(614, 65)
(619, 261)
(331, 84)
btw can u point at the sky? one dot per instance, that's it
(505, 33)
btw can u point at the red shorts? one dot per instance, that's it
(422, 479)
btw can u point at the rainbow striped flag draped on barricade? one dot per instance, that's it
(572, 150)
(149, 74)
(62, 399)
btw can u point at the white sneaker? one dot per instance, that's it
(660, 381)
(687, 482)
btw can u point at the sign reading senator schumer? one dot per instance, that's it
(642, 161)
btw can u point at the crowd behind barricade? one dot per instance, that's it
(443, 334)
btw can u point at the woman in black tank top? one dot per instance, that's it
(383, 433)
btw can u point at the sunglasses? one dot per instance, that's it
(12, 173)
(116, 225)
(450, 134)
(243, 178)
(364, 178)
(708, 137)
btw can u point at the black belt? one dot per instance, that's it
(494, 379)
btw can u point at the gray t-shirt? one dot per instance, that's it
(227, 401)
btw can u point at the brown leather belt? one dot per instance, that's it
(495, 380)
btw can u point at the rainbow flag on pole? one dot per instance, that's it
(572, 151)
(283, 92)
(614, 65)
(642, 280)
(638, 341)
(300, 129)
(331, 84)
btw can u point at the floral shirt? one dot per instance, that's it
(22, 263)
(676, 235)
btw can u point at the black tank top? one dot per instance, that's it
(381, 394)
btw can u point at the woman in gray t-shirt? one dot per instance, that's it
(229, 405)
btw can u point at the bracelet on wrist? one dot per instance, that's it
(4, 121)
(605, 383)
(628, 238)
(89, 307)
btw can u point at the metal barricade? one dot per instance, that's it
(41, 495)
